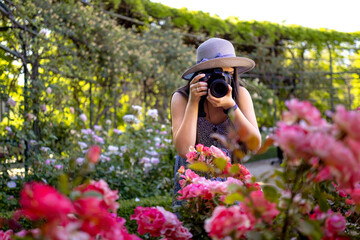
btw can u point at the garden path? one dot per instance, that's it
(263, 167)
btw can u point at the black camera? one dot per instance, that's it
(217, 80)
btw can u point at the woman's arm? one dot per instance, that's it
(244, 115)
(184, 114)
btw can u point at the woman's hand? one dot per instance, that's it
(225, 102)
(197, 88)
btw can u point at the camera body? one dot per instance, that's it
(217, 80)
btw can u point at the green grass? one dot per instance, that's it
(270, 153)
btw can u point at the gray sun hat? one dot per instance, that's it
(216, 53)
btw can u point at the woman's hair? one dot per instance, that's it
(234, 81)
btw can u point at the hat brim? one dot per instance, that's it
(242, 63)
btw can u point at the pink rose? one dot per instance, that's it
(149, 220)
(335, 223)
(227, 222)
(6, 235)
(41, 201)
(93, 154)
(109, 197)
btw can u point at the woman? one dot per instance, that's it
(196, 113)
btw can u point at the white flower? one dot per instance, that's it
(97, 127)
(152, 153)
(155, 160)
(8, 129)
(117, 131)
(45, 149)
(123, 148)
(129, 118)
(108, 122)
(43, 108)
(45, 32)
(80, 161)
(153, 113)
(11, 102)
(48, 90)
(83, 117)
(137, 199)
(137, 108)
(11, 184)
(82, 145)
(113, 149)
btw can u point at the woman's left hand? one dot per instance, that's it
(225, 102)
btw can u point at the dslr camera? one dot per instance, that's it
(217, 80)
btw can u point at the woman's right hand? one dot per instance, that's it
(197, 88)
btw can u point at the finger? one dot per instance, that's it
(197, 78)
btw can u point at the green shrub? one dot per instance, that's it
(127, 208)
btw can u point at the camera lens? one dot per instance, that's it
(219, 88)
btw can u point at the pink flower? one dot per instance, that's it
(302, 110)
(217, 152)
(48, 90)
(181, 170)
(335, 223)
(40, 201)
(6, 235)
(258, 204)
(149, 220)
(72, 110)
(227, 222)
(188, 177)
(83, 117)
(191, 157)
(109, 197)
(348, 121)
(289, 138)
(93, 154)
(194, 191)
(158, 222)
(95, 219)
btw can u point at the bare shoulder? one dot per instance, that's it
(243, 93)
(178, 99)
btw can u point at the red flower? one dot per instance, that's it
(93, 154)
(150, 220)
(109, 197)
(41, 201)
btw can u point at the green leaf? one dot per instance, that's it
(220, 163)
(63, 184)
(270, 193)
(234, 169)
(311, 229)
(323, 204)
(199, 166)
(233, 197)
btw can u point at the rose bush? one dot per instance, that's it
(315, 195)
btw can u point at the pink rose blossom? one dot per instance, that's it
(335, 223)
(40, 201)
(109, 197)
(302, 110)
(348, 121)
(6, 235)
(93, 154)
(149, 220)
(227, 222)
